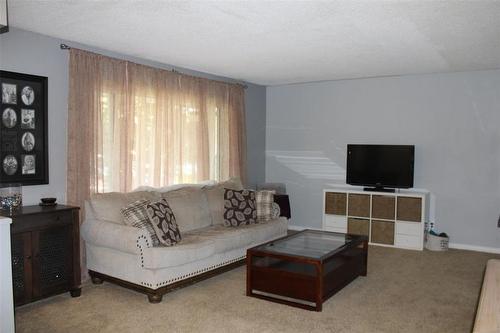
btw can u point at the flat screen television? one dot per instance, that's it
(380, 166)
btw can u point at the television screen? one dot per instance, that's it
(380, 165)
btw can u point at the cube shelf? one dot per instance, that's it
(388, 219)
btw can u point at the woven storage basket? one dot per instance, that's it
(436, 243)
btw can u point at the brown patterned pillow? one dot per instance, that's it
(163, 220)
(239, 207)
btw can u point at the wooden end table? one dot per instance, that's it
(45, 252)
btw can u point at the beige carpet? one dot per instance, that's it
(405, 291)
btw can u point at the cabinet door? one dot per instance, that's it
(52, 265)
(21, 267)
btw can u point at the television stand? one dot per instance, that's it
(379, 189)
(388, 219)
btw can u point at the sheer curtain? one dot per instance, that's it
(132, 125)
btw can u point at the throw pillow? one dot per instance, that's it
(239, 207)
(275, 211)
(135, 215)
(264, 200)
(284, 202)
(163, 220)
(215, 198)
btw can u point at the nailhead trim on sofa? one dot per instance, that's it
(140, 247)
(200, 271)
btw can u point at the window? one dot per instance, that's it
(167, 146)
(132, 125)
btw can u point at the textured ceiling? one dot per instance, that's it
(272, 42)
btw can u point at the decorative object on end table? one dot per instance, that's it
(48, 202)
(23, 129)
(11, 196)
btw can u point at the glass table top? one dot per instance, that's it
(309, 243)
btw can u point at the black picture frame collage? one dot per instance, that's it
(23, 129)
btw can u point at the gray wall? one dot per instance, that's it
(30, 53)
(27, 52)
(256, 133)
(452, 119)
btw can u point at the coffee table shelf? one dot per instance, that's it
(306, 268)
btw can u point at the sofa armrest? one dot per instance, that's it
(115, 236)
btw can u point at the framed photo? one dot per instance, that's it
(24, 129)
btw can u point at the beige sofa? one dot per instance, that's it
(488, 310)
(124, 255)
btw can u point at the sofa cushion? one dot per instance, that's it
(190, 208)
(163, 220)
(239, 208)
(107, 206)
(190, 249)
(136, 215)
(215, 198)
(263, 232)
(227, 239)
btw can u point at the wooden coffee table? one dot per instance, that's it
(306, 268)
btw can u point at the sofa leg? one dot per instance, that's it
(155, 298)
(96, 280)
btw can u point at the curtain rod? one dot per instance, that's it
(66, 47)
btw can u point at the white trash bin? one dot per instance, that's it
(436, 243)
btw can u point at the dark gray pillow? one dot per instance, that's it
(163, 220)
(239, 207)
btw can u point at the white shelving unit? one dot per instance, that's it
(389, 219)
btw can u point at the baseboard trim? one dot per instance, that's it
(300, 228)
(474, 248)
(457, 246)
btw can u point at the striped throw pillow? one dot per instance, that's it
(264, 201)
(136, 215)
